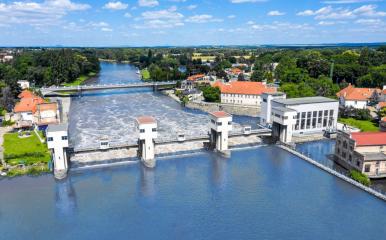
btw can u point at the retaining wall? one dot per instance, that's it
(252, 111)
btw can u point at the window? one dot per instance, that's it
(345, 144)
(50, 139)
(219, 123)
(309, 114)
(229, 123)
(303, 124)
(338, 151)
(264, 100)
(213, 121)
(367, 167)
(154, 129)
(350, 157)
(331, 113)
(303, 115)
(141, 130)
(314, 113)
(358, 163)
(308, 123)
(64, 137)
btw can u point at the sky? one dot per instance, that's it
(190, 22)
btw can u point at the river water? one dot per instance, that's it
(111, 114)
(258, 193)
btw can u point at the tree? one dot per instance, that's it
(211, 94)
(297, 90)
(323, 86)
(7, 99)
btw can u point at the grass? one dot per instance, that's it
(145, 74)
(81, 79)
(363, 125)
(24, 150)
(360, 177)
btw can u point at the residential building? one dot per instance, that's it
(295, 116)
(33, 110)
(243, 93)
(24, 84)
(363, 151)
(46, 113)
(191, 81)
(381, 105)
(5, 57)
(357, 97)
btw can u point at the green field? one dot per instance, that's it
(24, 150)
(80, 80)
(145, 74)
(363, 125)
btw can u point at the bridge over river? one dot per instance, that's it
(56, 90)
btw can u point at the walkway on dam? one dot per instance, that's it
(82, 88)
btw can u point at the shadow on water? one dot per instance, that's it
(65, 198)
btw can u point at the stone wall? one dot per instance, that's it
(230, 108)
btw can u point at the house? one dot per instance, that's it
(356, 97)
(24, 84)
(296, 116)
(243, 93)
(363, 151)
(33, 110)
(46, 113)
(26, 107)
(5, 57)
(193, 80)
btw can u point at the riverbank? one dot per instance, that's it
(80, 80)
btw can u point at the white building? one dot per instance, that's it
(357, 97)
(289, 117)
(147, 134)
(220, 125)
(243, 93)
(24, 84)
(57, 142)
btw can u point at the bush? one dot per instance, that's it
(360, 177)
(7, 123)
(359, 114)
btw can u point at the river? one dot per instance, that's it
(258, 193)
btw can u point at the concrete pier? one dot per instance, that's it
(57, 142)
(220, 126)
(147, 127)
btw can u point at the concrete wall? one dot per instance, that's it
(252, 111)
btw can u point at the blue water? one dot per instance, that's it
(260, 193)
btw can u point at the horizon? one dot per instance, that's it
(152, 23)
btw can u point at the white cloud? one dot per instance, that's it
(343, 13)
(250, 22)
(105, 29)
(148, 3)
(275, 13)
(203, 18)
(191, 7)
(167, 18)
(231, 16)
(116, 5)
(349, 1)
(127, 15)
(49, 12)
(369, 21)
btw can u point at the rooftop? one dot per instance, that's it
(284, 109)
(220, 114)
(58, 127)
(146, 120)
(353, 93)
(304, 100)
(242, 87)
(369, 138)
(196, 77)
(378, 156)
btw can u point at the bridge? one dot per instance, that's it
(56, 90)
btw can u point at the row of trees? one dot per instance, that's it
(321, 72)
(44, 68)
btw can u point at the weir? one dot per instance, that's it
(220, 138)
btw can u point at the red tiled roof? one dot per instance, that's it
(28, 102)
(369, 138)
(195, 77)
(236, 71)
(381, 104)
(353, 93)
(241, 87)
(220, 114)
(146, 120)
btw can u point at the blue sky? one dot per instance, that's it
(190, 22)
